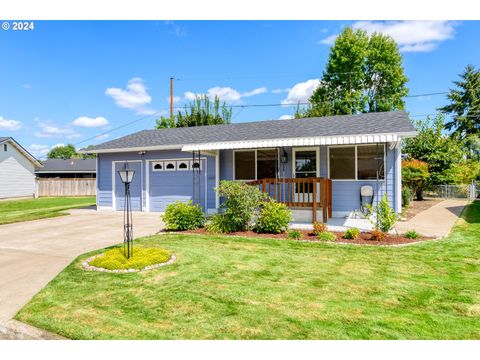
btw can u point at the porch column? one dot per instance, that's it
(398, 177)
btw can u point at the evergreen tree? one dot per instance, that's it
(465, 107)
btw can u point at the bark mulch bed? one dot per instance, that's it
(307, 235)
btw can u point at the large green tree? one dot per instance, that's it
(465, 107)
(440, 152)
(63, 152)
(201, 111)
(68, 152)
(363, 74)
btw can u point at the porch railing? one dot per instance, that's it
(313, 192)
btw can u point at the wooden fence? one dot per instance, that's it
(65, 187)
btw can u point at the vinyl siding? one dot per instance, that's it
(17, 178)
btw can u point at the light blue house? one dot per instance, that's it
(293, 156)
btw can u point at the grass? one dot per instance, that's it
(114, 259)
(32, 209)
(248, 288)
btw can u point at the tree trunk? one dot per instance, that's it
(419, 194)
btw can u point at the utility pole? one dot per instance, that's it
(171, 98)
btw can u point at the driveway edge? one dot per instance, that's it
(16, 330)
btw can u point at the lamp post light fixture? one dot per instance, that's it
(126, 175)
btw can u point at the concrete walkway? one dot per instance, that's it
(436, 221)
(32, 253)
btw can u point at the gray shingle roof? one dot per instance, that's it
(360, 124)
(69, 165)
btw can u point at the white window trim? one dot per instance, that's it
(310, 148)
(254, 150)
(154, 163)
(356, 162)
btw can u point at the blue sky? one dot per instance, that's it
(68, 81)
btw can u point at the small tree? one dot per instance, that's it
(199, 112)
(63, 152)
(415, 176)
(382, 216)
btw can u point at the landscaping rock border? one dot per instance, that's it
(86, 266)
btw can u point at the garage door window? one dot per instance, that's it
(157, 166)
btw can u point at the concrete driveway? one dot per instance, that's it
(32, 253)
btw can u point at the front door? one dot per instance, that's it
(305, 165)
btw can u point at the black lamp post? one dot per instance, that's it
(126, 175)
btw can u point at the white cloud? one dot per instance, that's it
(301, 92)
(227, 94)
(37, 150)
(8, 124)
(134, 97)
(286, 117)
(329, 40)
(279, 91)
(49, 130)
(85, 121)
(411, 35)
(27, 86)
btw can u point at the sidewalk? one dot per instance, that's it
(435, 221)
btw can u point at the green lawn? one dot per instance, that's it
(31, 209)
(235, 288)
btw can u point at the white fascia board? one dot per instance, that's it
(131, 149)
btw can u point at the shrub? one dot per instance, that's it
(114, 259)
(377, 235)
(406, 196)
(319, 227)
(411, 234)
(351, 233)
(183, 216)
(327, 236)
(382, 216)
(274, 218)
(294, 234)
(218, 224)
(241, 202)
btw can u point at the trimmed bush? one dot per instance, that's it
(319, 227)
(114, 259)
(274, 218)
(351, 233)
(406, 196)
(294, 234)
(241, 203)
(327, 236)
(183, 216)
(411, 234)
(377, 235)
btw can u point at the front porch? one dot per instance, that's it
(310, 198)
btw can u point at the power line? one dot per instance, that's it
(242, 107)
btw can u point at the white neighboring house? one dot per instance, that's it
(17, 170)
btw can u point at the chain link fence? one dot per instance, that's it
(470, 191)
